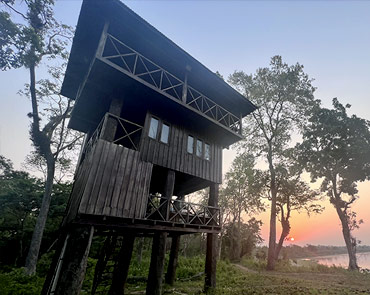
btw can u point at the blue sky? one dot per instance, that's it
(330, 38)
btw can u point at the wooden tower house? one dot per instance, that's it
(156, 121)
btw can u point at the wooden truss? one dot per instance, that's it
(122, 57)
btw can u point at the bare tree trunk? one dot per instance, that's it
(285, 228)
(42, 143)
(284, 233)
(348, 239)
(38, 232)
(272, 236)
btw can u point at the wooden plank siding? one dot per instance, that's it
(111, 181)
(174, 155)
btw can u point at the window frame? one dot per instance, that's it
(160, 133)
(187, 144)
(201, 146)
(209, 151)
(158, 125)
(159, 129)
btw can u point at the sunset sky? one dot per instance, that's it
(331, 39)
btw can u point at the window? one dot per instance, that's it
(190, 144)
(207, 152)
(199, 151)
(153, 128)
(165, 133)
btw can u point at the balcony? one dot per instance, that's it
(120, 56)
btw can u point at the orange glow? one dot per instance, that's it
(292, 239)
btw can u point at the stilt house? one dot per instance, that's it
(156, 121)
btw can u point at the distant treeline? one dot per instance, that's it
(294, 251)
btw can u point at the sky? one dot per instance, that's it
(330, 38)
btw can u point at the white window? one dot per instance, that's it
(207, 152)
(165, 132)
(199, 151)
(190, 144)
(153, 128)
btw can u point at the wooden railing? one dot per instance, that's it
(127, 60)
(124, 128)
(181, 212)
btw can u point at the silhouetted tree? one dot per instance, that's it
(336, 148)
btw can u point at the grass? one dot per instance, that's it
(247, 278)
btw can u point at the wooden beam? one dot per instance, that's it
(172, 263)
(211, 255)
(155, 277)
(122, 265)
(74, 262)
(110, 124)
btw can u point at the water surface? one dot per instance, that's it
(363, 260)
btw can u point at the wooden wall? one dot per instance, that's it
(174, 155)
(111, 181)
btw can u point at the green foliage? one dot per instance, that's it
(26, 43)
(20, 200)
(336, 146)
(17, 282)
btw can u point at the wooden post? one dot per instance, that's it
(172, 263)
(185, 88)
(110, 126)
(72, 271)
(122, 265)
(211, 256)
(154, 285)
(168, 193)
(54, 269)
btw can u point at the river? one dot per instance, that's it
(363, 260)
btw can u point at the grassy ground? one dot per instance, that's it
(253, 279)
(249, 277)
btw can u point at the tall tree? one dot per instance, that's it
(36, 37)
(336, 148)
(284, 96)
(242, 194)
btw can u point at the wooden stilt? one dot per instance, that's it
(104, 256)
(172, 264)
(155, 278)
(154, 286)
(53, 273)
(211, 256)
(122, 266)
(73, 267)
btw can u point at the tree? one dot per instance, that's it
(25, 44)
(336, 148)
(250, 237)
(20, 197)
(20, 200)
(284, 96)
(241, 194)
(293, 194)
